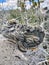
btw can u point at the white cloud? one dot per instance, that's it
(9, 4)
(28, 4)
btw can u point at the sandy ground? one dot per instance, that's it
(8, 53)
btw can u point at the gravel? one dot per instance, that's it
(10, 55)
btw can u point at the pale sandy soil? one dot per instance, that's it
(8, 53)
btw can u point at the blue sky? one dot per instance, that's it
(35, 0)
(1, 1)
